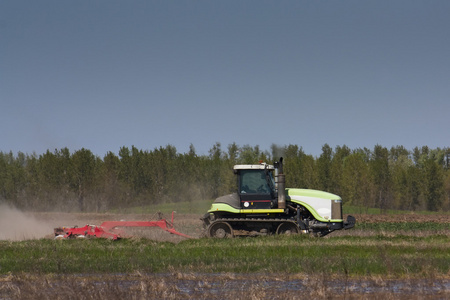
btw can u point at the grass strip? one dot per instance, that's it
(399, 256)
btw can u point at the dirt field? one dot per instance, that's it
(184, 223)
(437, 218)
(19, 226)
(191, 224)
(16, 225)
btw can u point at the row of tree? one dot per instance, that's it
(383, 178)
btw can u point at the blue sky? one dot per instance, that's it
(105, 74)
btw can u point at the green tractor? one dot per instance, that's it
(262, 205)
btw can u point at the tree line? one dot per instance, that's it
(62, 180)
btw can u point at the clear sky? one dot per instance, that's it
(105, 74)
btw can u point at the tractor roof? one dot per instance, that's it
(261, 166)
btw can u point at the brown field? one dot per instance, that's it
(191, 224)
(177, 285)
(421, 218)
(19, 226)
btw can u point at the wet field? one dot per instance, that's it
(217, 286)
(179, 285)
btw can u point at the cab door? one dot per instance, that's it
(254, 189)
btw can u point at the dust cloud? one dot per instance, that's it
(18, 226)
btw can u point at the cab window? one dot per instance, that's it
(254, 182)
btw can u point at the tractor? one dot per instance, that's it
(262, 205)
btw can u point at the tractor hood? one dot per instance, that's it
(311, 193)
(324, 206)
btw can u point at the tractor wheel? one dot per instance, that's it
(220, 230)
(287, 228)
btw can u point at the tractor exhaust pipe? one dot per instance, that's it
(281, 185)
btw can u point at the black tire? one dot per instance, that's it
(287, 228)
(220, 230)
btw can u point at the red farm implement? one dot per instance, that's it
(114, 229)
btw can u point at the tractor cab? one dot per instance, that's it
(256, 186)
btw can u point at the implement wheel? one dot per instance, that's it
(220, 230)
(287, 228)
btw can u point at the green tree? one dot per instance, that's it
(398, 153)
(192, 152)
(324, 167)
(12, 176)
(446, 205)
(125, 165)
(336, 169)
(399, 164)
(356, 184)
(309, 174)
(111, 185)
(414, 187)
(57, 180)
(54, 172)
(380, 172)
(32, 190)
(293, 167)
(434, 191)
(215, 170)
(233, 153)
(83, 173)
(249, 155)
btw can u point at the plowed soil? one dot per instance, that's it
(437, 218)
(20, 226)
(191, 224)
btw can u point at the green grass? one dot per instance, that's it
(399, 256)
